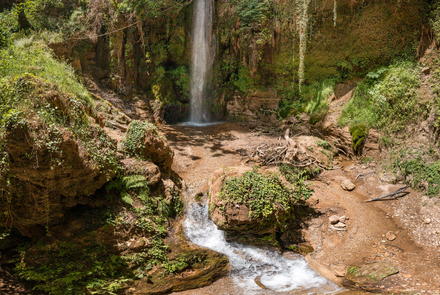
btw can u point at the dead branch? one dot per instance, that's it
(399, 191)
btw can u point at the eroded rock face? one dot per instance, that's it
(49, 173)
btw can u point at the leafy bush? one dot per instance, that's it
(419, 171)
(386, 100)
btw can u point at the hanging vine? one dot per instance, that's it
(302, 20)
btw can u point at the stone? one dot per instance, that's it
(348, 185)
(334, 219)
(312, 201)
(390, 236)
(368, 275)
(427, 221)
(340, 225)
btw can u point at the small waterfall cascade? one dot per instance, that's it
(276, 272)
(201, 60)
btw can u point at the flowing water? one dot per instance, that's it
(276, 273)
(201, 60)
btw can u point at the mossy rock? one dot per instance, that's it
(369, 275)
(358, 133)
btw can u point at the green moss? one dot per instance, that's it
(358, 134)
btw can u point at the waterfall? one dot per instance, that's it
(276, 272)
(201, 60)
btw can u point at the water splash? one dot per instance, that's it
(276, 272)
(201, 60)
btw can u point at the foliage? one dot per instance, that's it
(386, 100)
(73, 269)
(133, 142)
(265, 195)
(252, 12)
(28, 55)
(242, 81)
(324, 144)
(8, 27)
(435, 19)
(358, 134)
(127, 183)
(313, 100)
(419, 170)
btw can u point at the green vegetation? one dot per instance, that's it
(313, 101)
(94, 267)
(386, 100)
(133, 143)
(420, 170)
(265, 195)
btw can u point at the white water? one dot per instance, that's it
(201, 60)
(276, 272)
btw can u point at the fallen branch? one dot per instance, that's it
(118, 126)
(399, 191)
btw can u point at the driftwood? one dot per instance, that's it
(399, 191)
(284, 152)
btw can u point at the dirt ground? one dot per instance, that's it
(402, 231)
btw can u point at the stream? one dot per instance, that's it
(275, 272)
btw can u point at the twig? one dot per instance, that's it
(399, 191)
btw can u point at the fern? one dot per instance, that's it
(127, 198)
(135, 181)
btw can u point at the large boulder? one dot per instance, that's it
(253, 205)
(144, 140)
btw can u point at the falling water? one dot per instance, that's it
(201, 60)
(276, 272)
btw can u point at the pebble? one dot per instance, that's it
(348, 185)
(390, 236)
(427, 221)
(334, 219)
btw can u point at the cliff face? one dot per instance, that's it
(342, 39)
(259, 45)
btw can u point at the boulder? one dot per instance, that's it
(348, 185)
(149, 170)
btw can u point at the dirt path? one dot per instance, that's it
(200, 151)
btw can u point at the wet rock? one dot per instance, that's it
(368, 276)
(348, 185)
(390, 236)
